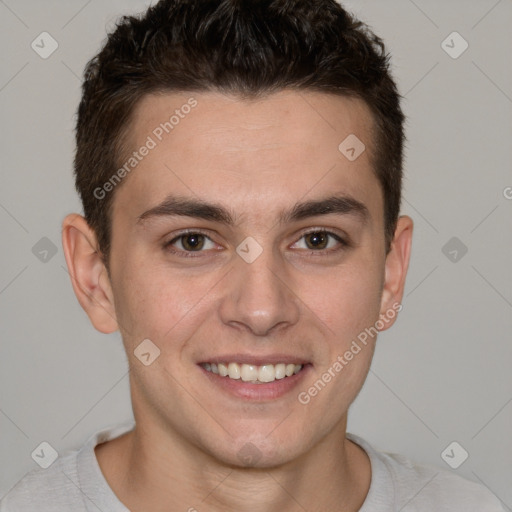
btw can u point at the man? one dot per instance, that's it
(239, 165)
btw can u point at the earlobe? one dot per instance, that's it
(89, 276)
(397, 263)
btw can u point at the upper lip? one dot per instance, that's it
(256, 360)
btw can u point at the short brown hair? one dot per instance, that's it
(249, 48)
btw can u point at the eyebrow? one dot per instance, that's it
(199, 209)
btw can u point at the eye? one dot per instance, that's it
(318, 241)
(190, 242)
(321, 240)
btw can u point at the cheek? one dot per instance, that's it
(349, 305)
(155, 302)
(347, 300)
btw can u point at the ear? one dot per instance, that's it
(397, 263)
(88, 273)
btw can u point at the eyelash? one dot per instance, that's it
(320, 252)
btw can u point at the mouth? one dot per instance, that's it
(256, 380)
(252, 373)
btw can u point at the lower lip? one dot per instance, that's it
(257, 392)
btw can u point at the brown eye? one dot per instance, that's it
(322, 242)
(317, 240)
(192, 241)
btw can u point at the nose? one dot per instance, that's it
(260, 297)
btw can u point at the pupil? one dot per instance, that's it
(193, 241)
(318, 239)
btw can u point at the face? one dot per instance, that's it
(245, 242)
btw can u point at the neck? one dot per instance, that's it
(150, 472)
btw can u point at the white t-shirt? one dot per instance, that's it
(75, 483)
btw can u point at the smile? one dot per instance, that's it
(252, 373)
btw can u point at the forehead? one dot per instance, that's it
(249, 154)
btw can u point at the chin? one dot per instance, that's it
(260, 452)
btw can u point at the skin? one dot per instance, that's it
(256, 158)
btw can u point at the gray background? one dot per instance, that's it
(441, 374)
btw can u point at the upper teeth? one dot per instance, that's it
(253, 373)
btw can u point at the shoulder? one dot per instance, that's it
(54, 488)
(429, 488)
(73, 482)
(419, 488)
